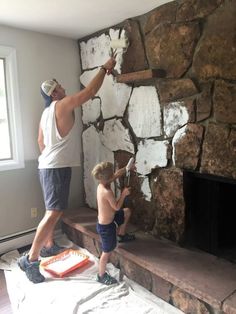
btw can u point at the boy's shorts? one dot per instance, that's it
(55, 184)
(108, 232)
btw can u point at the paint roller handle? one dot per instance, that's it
(130, 164)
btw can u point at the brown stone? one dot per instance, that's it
(167, 186)
(136, 48)
(187, 147)
(161, 288)
(229, 305)
(187, 303)
(132, 270)
(194, 9)
(170, 47)
(215, 54)
(162, 14)
(224, 101)
(219, 151)
(204, 102)
(171, 90)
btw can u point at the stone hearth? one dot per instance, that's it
(191, 280)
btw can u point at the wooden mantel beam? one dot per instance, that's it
(140, 76)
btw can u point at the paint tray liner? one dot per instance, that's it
(65, 262)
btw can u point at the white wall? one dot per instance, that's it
(39, 57)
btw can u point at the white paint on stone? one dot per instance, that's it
(151, 154)
(116, 137)
(94, 152)
(95, 52)
(175, 115)
(177, 137)
(114, 96)
(91, 110)
(144, 112)
(145, 189)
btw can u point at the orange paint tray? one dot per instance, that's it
(63, 263)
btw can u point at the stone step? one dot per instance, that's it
(193, 281)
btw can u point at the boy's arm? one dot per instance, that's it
(120, 172)
(117, 204)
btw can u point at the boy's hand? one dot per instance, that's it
(126, 191)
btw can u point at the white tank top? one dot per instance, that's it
(59, 151)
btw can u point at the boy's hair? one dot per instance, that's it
(103, 171)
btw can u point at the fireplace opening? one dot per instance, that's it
(210, 214)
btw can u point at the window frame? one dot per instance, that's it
(13, 107)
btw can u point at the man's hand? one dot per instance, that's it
(109, 65)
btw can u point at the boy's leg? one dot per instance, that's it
(122, 235)
(103, 263)
(103, 276)
(122, 228)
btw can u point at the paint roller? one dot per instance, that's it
(120, 43)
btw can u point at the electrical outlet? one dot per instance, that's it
(34, 212)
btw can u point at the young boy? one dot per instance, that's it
(112, 219)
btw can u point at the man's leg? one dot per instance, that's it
(44, 233)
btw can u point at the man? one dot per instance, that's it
(58, 142)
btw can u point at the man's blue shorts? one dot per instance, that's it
(108, 232)
(55, 184)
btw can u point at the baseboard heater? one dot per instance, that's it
(21, 239)
(17, 240)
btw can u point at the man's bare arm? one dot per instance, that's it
(76, 100)
(41, 139)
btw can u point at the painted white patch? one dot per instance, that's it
(91, 110)
(175, 115)
(87, 76)
(178, 135)
(94, 152)
(95, 51)
(144, 112)
(116, 137)
(151, 154)
(145, 188)
(114, 96)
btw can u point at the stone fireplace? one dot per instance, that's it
(180, 128)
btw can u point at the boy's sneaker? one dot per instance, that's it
(106, 279)
(126, 237)
(53, 250)
(31, 269)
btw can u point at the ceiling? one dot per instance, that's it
(71, 18)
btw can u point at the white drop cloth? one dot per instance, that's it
(78, 292)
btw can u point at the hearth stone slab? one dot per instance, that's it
(162, 267)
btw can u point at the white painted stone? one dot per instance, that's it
(114, 96)
(91, 110)
(144, 112)
(94, 152)
(151, 154)
(177, 137)
(175, 115)
(145, 189)
(95, 51)
(116, 137)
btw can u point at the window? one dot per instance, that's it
(11, 144)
